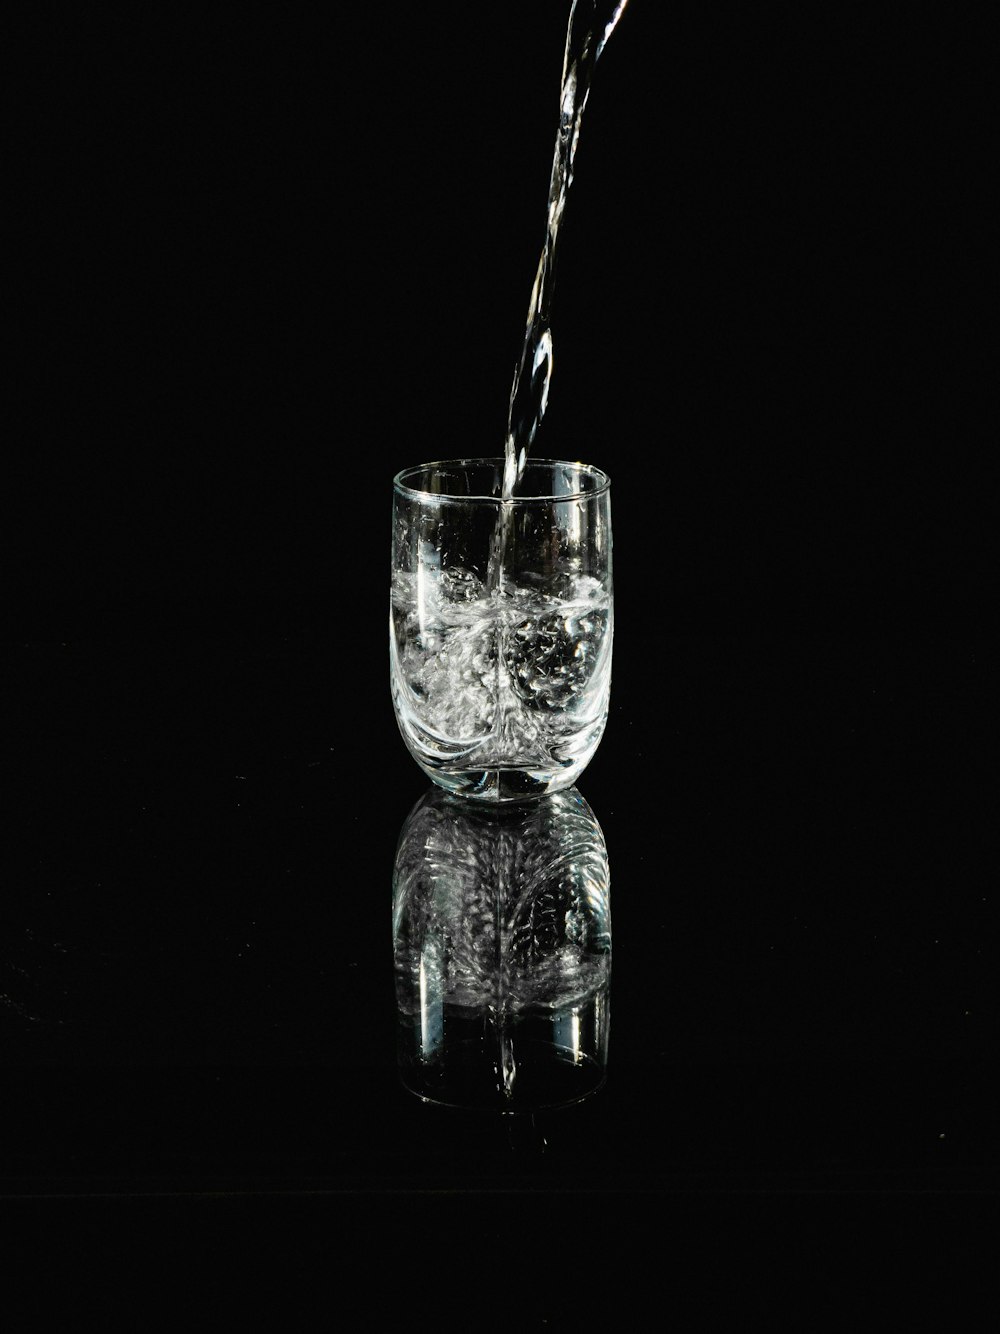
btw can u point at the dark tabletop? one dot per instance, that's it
(197, 958)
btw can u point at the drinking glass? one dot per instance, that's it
(501, 623)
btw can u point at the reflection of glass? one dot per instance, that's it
(501, 669)
(502, 942)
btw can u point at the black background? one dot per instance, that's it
(269, 262)
(263, 263)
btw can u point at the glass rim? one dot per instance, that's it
(401, 488)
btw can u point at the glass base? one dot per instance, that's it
(495, 785)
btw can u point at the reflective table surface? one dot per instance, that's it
(198, 971)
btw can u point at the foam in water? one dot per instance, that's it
(493, 680)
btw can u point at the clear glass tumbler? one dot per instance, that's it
(501, 669)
